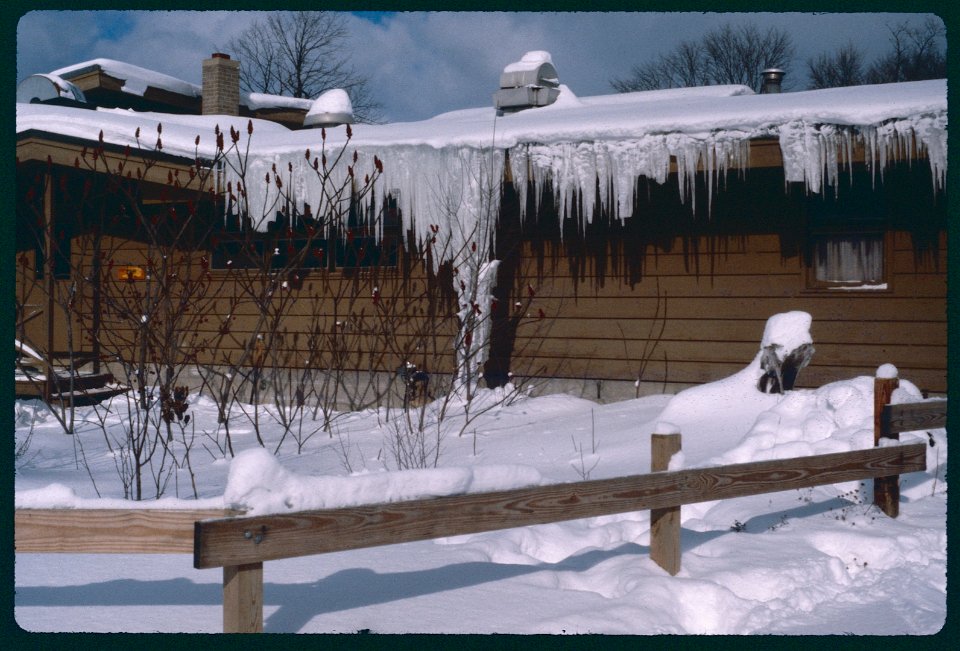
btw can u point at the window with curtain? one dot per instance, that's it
(847, 246)
(849, 259)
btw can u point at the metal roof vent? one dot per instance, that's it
(772, 78)
(331, 109)
(49, 89)
(530, 82)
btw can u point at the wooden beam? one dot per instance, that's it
(239, 541)
(107, 531)
(886, 490)
(155, 166)
(913, 416)
(49, 278)
(243, 598)
(665, 523)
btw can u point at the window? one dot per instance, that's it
(847, 243)
(352, 246)
(851, 260)
(62, 246)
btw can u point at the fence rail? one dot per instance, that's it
(241, 544)
(911, 417)
(251, 539)
(108, 531)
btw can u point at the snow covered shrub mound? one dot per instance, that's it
(27, 413)
(258, 484)
(786, 348)
(837, 417)
(730, 406)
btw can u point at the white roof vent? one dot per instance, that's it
(331, 109)
(530, 82)
(48, 88)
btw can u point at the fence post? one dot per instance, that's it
(664, 523)
(243, 598)
(886, 490)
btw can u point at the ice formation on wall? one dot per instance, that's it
(450, 193)
(447, 171)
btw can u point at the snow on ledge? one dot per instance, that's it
(58, 496)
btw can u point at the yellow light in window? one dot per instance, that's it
(130, 272)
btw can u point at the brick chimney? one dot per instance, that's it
(221, 85)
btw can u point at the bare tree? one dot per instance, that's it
(726, 55)
(915, 54)
(843, 68)
(739, 56)
(301, 54)
(684, 66)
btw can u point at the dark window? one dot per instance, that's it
(62, 238)
(355, 245)
(849, 260)
(847, 243)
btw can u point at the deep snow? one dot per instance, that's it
(818, 560)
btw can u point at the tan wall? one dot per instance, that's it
(712, 323)
(381, 336)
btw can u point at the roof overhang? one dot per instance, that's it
(96, 158)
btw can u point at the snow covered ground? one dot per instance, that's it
(813, 561)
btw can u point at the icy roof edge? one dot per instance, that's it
(574, 146)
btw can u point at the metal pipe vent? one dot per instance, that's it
(530, 82)
(49, 89)
(772, 79)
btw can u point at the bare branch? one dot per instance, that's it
(726, 55)
(301, 54)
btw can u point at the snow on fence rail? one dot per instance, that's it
(242, 544)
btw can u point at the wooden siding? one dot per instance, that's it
(601, 294)
(374, 338)
(712, 323)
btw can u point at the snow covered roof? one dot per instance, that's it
(575, 141)
(258, 101)
(335, 100)
(136, 79)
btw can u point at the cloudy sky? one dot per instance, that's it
(420, 64)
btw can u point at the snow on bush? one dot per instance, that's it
(258, 484)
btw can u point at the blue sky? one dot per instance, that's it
(423, 63)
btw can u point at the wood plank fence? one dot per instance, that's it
(241, 544)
